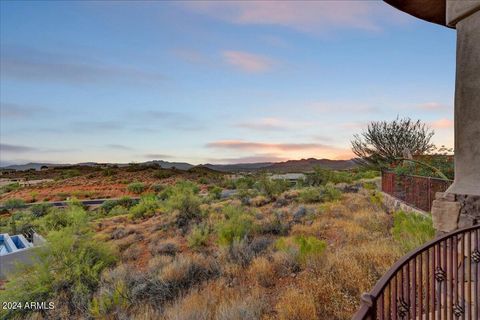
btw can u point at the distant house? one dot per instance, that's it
(293, 178)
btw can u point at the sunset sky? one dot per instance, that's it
(217, 82)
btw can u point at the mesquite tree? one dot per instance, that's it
(383, 142)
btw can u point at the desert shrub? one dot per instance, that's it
(296, 305)
(136, 187)
(330, 193)
(57, 219)
(10, 187)
(163, 174)
(241, 307)
(310, 195)
(238, 225)
(275, 226)
(184, 200)
(164, 248)
(145, 208)
(68, 268)
(161, 283)
(198, 237)
(270, 187)
(410, 230)
(244, 183)
(39, 210)
(125, 202)
(319, 194)
(284, 263)
(13, 204)
(215, 192)
(71, 173)
(158, 187)
(262, 271)
(303, 247)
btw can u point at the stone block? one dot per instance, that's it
(445, 215)
(445, 196)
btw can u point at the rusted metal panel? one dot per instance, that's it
(416, 191)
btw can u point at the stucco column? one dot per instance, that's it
(465, 17)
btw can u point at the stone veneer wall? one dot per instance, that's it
(469, 210)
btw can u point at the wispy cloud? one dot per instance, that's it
(250, 159)
(272, 124)
(305, 16)
(12, 148)
(29, 64)
(442, 124)
(432, 106)
(248, 62)
(96, 126)
(157, 156)
(252, 146)
(17, 111)
(119, 147)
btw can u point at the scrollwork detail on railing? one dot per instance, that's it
(402, 308)
(476, 256)
(458, 310)
(440, 274)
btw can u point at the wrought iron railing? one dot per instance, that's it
(417, 191)
(438, 281)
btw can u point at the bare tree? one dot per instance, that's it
(383, 142)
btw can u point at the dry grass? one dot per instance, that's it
(296, 305)
(262, 270)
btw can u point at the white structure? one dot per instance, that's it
(16, 249)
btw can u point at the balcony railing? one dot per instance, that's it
(440, 281)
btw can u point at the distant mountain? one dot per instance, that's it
(237, 167)
(170, 165)
(33, 165)
(303, 165)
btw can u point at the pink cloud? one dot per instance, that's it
(431, 106)
(248, 62)
(306, 16)
(442, 124)
(283, 150)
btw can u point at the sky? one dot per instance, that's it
(213, 82)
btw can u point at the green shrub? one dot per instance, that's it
(163, 174)
(158, 188)
(198, 237)
(330, 193)
(244, 183)
(71, 173)
(215, 192)
(183, 199)
(136, 187)
(57, 219)
(410, 230)
(68, 268)
(302, 247)
(41, 209)
(14, 204)
(10, 187)
(319, 194)
(125, 202)
(238, 225)
(271, 188)
(145, 208)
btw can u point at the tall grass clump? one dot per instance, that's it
(136, 187)
(238, 225)
(411, 230)
(145, 208)
(303, 248)
(271, 188)
(183, 200)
